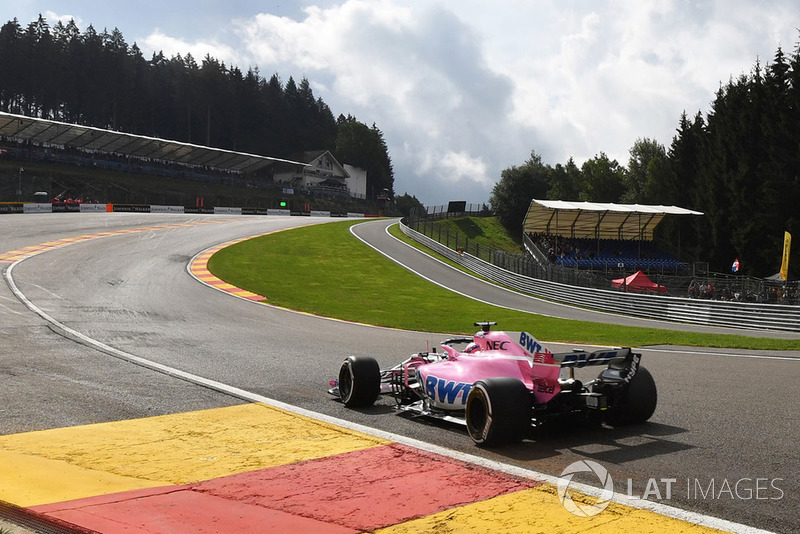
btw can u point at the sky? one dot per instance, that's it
(463, 89)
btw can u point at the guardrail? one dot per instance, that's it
(683, 310)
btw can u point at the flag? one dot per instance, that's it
(735, 266)
(787, 245)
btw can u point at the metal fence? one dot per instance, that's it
(454, 209)
(511, 272)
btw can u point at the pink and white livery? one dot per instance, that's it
(504, 383)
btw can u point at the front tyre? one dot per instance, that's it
(637, 403)
(498, 411)
(359, 381)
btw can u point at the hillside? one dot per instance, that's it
(485, 231)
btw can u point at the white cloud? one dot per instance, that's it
(158, 41)
(53, 18)
(458, 166)
(418, 73)
(623, 70)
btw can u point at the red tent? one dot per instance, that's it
(638, 283)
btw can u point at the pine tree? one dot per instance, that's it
(512, 195)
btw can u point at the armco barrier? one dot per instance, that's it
(684, 310)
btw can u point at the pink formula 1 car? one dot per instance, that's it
(502, 384)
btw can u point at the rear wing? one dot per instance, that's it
(580, 358)
(525, 344)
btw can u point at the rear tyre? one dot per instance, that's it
(359, 381)
(498, 411)
(637, 403)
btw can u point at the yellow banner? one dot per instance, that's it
(787, 245)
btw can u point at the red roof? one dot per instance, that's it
(638, 282)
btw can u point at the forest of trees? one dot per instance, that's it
(97, 79)
(739, 165)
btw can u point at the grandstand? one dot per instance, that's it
(591, 244)
(603, 236)
(89, 140)
(92, 164)
(606, 254)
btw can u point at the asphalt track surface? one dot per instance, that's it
(724, 417)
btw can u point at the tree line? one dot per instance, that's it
(739, 164)
(97, 79)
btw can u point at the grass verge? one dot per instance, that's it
(324, 270)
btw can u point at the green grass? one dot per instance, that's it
(395, 231)
(486, 231)
(324, 270)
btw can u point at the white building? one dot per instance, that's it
(323, 174)
(356, 181)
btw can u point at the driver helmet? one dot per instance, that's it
(472, 347)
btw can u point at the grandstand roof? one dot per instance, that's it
(44, 131)
(597, 220)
